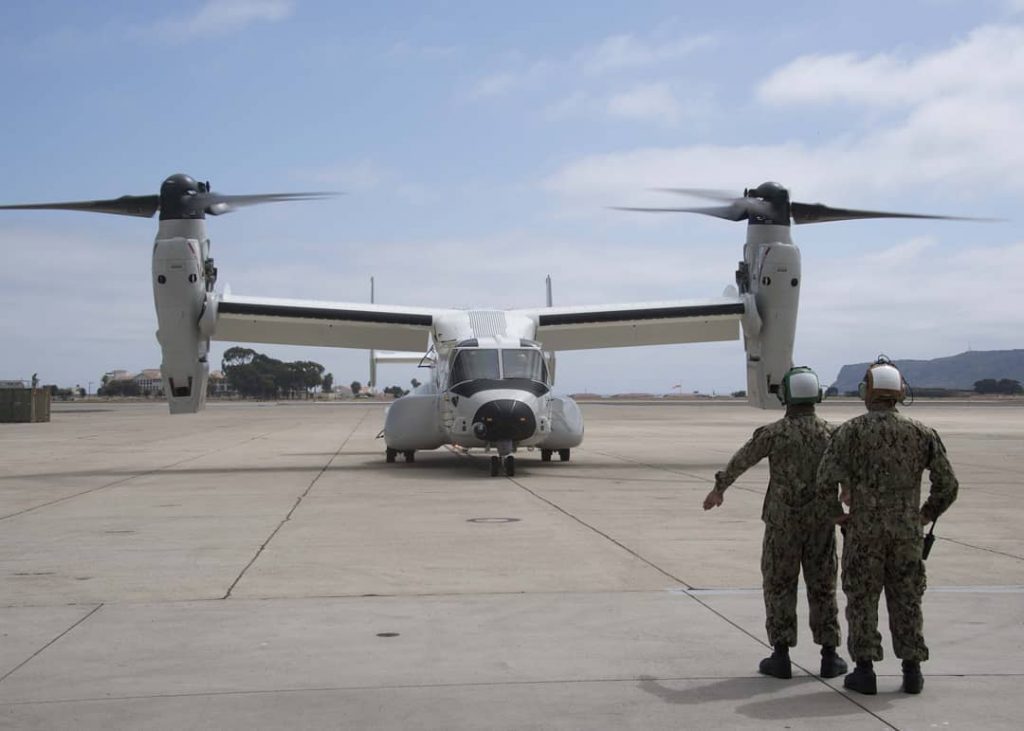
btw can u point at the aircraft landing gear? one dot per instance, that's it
(390, 454)
(508, 460)
(545, 455)
(410, 455)
(563, 455)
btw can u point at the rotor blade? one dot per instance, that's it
(820, 213)
(143, 206)
(709, 193)
(216, 203)
(734, 212)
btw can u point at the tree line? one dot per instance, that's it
(256, 375)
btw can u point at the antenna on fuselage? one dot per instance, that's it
(373, 353)
(550, 354)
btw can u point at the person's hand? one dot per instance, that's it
(925, 520)
(713, 500)
(844, 496)
(841, 519)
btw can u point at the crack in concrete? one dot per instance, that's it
(42, 649)
(298, 501)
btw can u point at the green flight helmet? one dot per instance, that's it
(800, 386)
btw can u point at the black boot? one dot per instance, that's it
(913, 681)
(862, 679)
(832, 666)
(778, 665)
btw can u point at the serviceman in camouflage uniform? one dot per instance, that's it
(878, 459)
(797, 529)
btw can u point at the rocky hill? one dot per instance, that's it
(954, 372)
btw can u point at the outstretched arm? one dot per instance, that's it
(756, 449)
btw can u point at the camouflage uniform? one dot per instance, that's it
(880, 457)
(797, 530)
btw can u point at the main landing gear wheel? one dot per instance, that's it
(495, 466)
(563, 454)
(410, 455)
(510, 466)
(390, 454)
(545, 455)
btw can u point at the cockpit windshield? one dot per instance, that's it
(472, 364)
(523, 364)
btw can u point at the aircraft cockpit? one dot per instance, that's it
(474, 368)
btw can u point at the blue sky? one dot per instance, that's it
(479, 144)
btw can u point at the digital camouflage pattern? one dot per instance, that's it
(798, 532)
(879, 458)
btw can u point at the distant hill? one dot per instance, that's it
(954, 371)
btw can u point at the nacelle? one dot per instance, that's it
(186, 313)
(770, 283)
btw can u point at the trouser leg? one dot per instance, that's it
(863, 575)
(820, 568)
(780, 573)
(904, 587)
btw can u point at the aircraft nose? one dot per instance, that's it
(504, 419)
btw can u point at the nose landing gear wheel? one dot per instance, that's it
(510, 466)
(563, 455)
(545, 455)
(495, 466)
(390, 454)
(410, 455)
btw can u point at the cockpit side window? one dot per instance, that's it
(471, 364)
(524, 364)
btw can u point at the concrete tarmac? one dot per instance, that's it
(261, 566)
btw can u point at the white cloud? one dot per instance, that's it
(954, 115)
(988, 63)
(621, 52)
(614, 54)
(219, 17)
(647, 102)
(530, 76)
(913, 300)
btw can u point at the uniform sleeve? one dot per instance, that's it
(756, 449)
(832, 473)
(944, 483)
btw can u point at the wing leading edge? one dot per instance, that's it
(648, 323)
(329, 324)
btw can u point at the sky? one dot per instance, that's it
(479, 146)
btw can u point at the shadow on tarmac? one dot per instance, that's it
(774, 709)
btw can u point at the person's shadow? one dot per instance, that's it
(827, 703)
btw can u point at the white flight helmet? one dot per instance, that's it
(800, 386)
(883, 382)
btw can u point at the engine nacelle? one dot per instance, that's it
(185, 311)
(566, 424)
(414, 422)
(769, 281)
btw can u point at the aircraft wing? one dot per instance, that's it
(646, 323)
(331, 324)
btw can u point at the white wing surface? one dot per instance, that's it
(331, 324)
(646, 323)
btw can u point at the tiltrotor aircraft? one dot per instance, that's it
(492, 371)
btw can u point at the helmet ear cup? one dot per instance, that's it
(862, 390)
